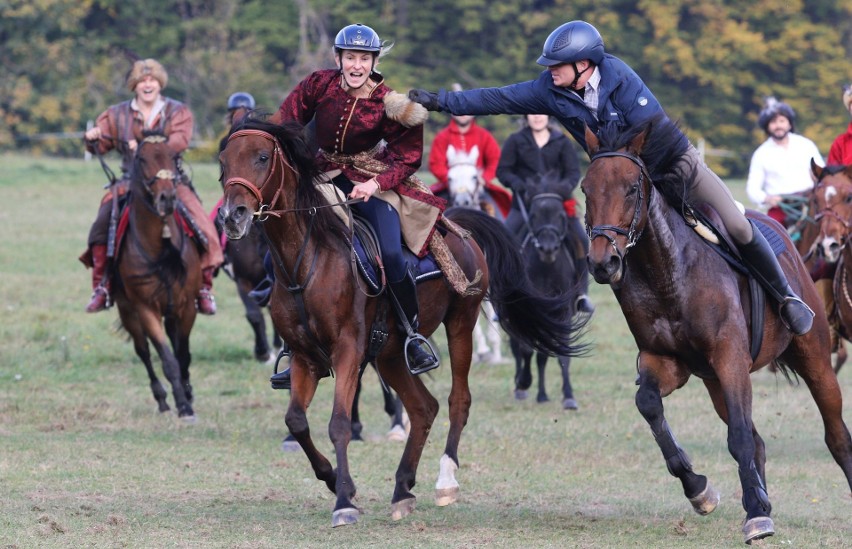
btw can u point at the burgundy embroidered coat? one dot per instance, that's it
(346, 125)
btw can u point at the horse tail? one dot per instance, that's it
(543, 322)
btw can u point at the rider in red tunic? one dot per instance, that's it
(370, 141)
(463, 133)
(841, 150)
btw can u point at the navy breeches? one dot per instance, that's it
(385, 222)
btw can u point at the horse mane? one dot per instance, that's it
(665, 144)
(299, 153)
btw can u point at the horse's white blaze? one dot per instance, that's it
(830, 191)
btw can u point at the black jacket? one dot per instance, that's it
(521, 159)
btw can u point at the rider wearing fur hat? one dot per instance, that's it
(840, 152)
(370, 141)
(121, 127)
(583, 86)
(781, 165)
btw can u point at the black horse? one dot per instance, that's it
(550, 263)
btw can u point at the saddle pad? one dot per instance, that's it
(424, 269)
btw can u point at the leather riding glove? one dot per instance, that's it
(425, 98)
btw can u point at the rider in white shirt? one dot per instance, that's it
(781, 165)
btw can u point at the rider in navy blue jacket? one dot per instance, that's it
(585, 86)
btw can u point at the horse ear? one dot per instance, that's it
(451, 153)
(816, 169)
(638, 143)
(592, 143)
(474, 153)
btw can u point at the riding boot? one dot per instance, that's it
(763, 265)
(281, 380)
(404, 297)
(205, 302)
(100, 284)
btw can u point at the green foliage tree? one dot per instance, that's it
(711, 63)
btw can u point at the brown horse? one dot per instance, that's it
(158, 273)
(319, 307)
(689, 311)
(833, 195)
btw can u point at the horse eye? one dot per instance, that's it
(633, 190)
(263, 158)
(848, 199)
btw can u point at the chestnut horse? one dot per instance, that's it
(689, 311)
(833, 194)
(158, 273)
(320, 308)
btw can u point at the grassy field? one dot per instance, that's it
(86, 461)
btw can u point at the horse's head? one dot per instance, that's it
(464, 181)
(833, 197)
(257, 173)
(155, 174)
(548, 221)
(617, 189)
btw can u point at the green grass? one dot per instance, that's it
(86, 461)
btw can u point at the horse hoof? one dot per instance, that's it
(402, 508)
(569, 404)
(758, 528)
(520, 394)
(541, 399)
(189, 419)
(446, 496)
(397, 434)
(705, 502)
(342, 517)
(290, 445)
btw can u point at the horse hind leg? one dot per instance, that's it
(568, 400)
(703, 497)
(492, 334)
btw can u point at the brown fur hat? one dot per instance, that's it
(143, 68)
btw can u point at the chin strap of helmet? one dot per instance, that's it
(577, 74)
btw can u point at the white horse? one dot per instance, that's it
(467, 190)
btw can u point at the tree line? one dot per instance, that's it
(709, 62)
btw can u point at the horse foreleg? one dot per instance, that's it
(523, 368)
(254, 316)
(649, 401)
(340, 430)
(154, 329)
(356, 416)
(541, 363)
(482, 349)
(303, 388)
(732, 398)
(568, 402)
(143, 351)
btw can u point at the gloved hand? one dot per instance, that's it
(425, 98)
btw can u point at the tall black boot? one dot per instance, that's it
(404, 297)
(763, 265)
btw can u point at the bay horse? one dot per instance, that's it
(466, 189)
(321, 309)
(833, 195)
(550, 266)
(688, 311)
(158, 273)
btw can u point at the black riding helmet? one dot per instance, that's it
(773, 108)
(240, 100)
(571, 42)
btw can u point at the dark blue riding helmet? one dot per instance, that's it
(571, 42)
(240, 100)
(357, 37)
(773, 108)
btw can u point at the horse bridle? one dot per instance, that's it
(631, 233)
(549, 227)
(480, 181)
(162, 174)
